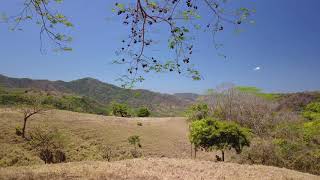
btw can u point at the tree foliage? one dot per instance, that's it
(180, 18)
(45, 14)
(212, 134)
(143, 112)
(312, 111)
(197, 112)
(121, 110)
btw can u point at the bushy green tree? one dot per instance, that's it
(197, 112)
(212, 134)
(143, 112)
(121, 110)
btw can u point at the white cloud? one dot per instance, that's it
(257, 68)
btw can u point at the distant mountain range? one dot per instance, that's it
(104, 93)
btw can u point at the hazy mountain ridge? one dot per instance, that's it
(104, 93)
(188, 96)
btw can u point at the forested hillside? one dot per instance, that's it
(104, 94)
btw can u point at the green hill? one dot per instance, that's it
(97, 92)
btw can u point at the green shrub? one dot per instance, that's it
(311, 132)
(135, 141)
(312, 111)
(314, 107)
(293, 145)
(143, 112)
(261, 151)
(139, 123)
(19, 131)
(120, 110)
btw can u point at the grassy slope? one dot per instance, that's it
(87, 132)
(159, 168)
(160, 137)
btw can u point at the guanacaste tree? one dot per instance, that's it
(181, 18)
(211, 134)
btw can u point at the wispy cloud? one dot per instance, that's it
(257, 68)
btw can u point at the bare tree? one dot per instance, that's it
(249, 110)
(34, 107)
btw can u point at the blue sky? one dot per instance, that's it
(284, 43)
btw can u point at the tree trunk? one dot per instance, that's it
(191, 150)
(195, 152)
(24, 127)
(222, 155)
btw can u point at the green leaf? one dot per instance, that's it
(67, 49)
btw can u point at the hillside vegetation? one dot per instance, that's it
(103, 93)
(16, 97)
(234, 124)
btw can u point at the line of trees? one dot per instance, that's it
(123, 110)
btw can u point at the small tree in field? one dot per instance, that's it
(213, 134)
(196, 112)
(135, 141)
(143, 112)
(35, 107)
(121, 110)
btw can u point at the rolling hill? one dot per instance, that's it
(165, 151)
(104, 93)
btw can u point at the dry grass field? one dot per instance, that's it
(86, 133)
(153, 168)
(165, 151)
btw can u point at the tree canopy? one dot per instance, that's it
(197, 112)
(212, 134)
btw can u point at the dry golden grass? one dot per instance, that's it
(152, 168)
(160, 137)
